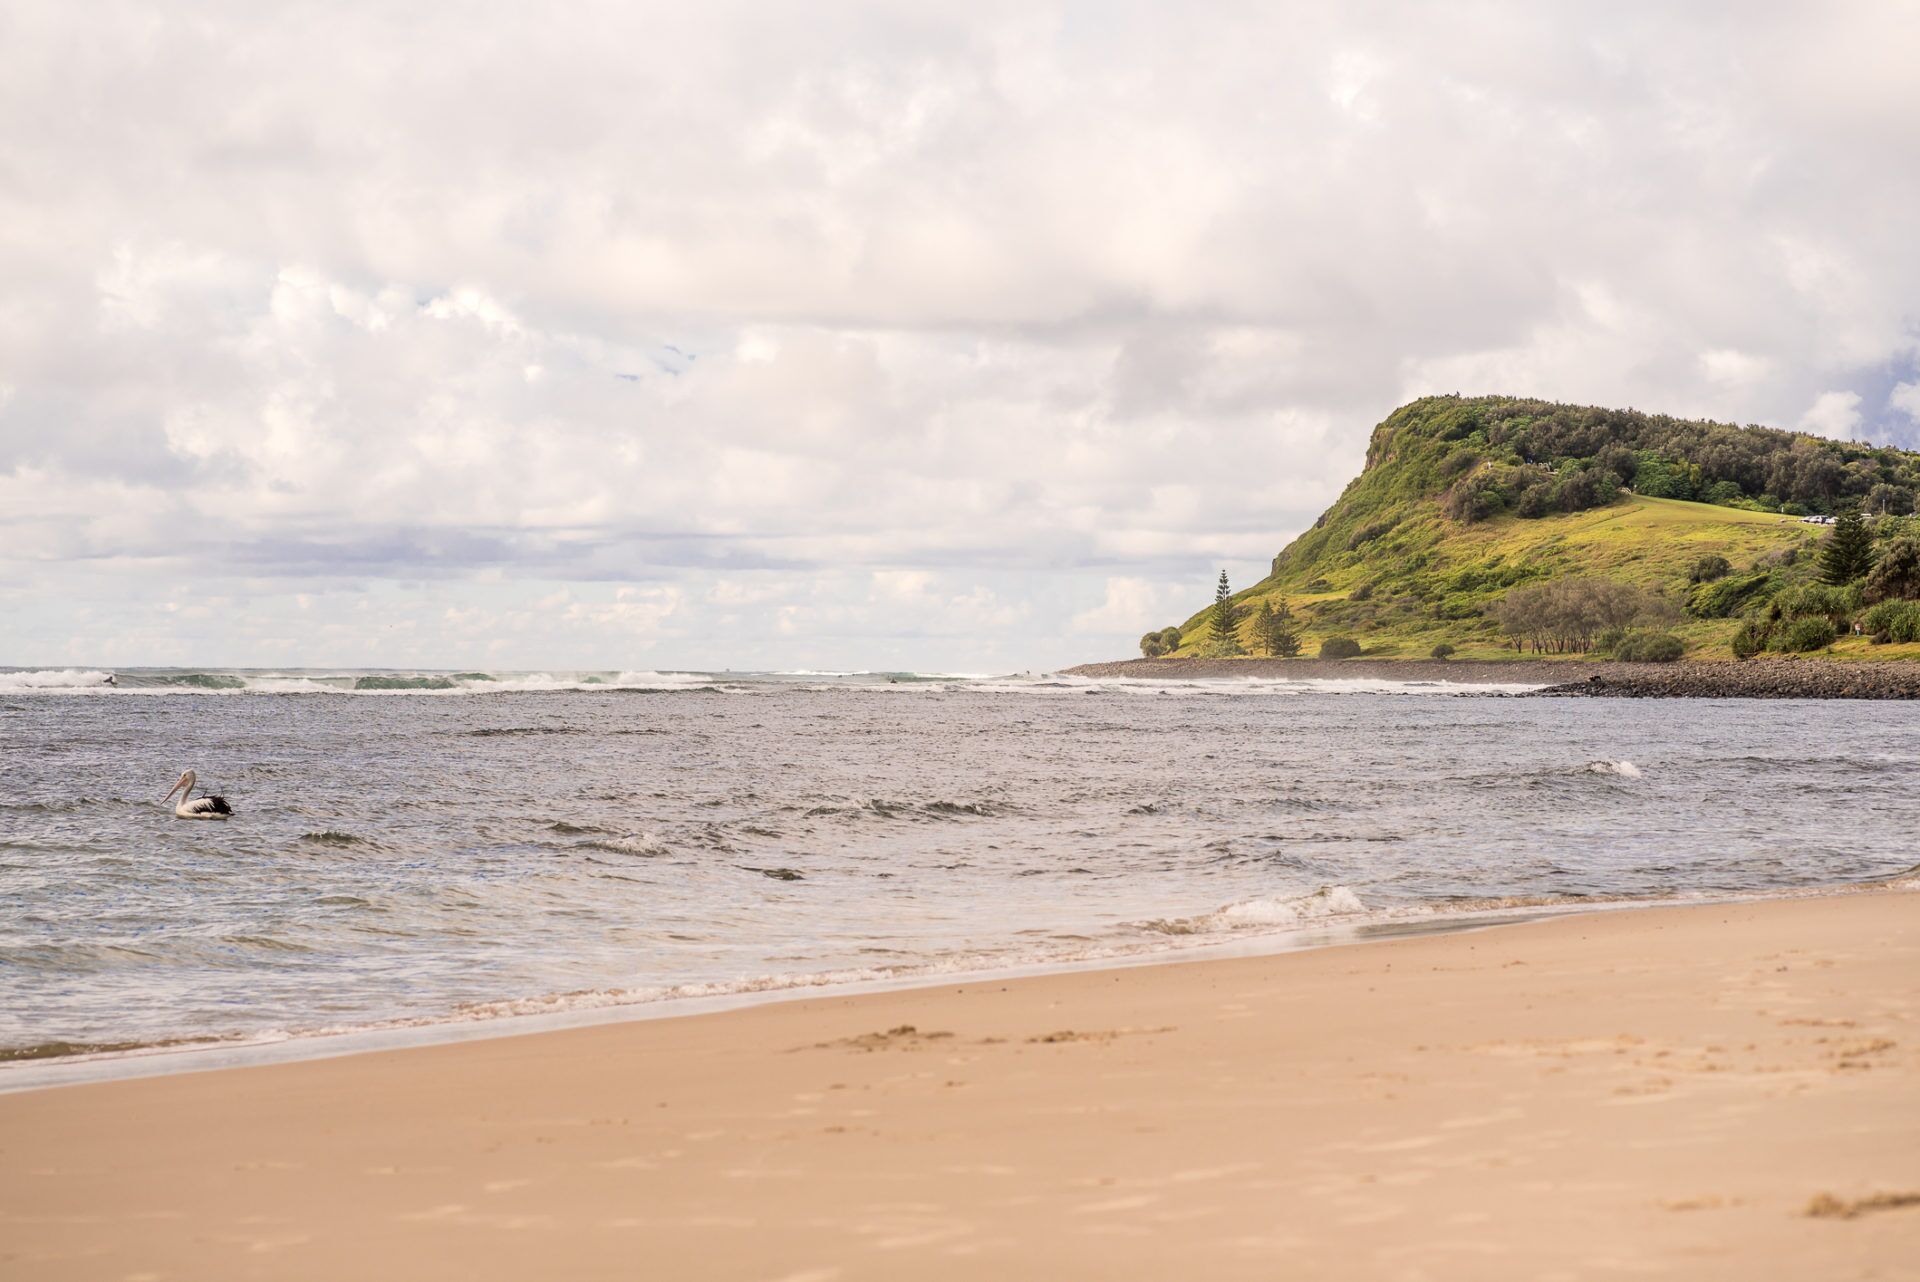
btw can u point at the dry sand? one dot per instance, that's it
(1705, 1092)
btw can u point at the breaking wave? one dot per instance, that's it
(1623, 769)
(388, 682)
(55, 679)
(1266, 913)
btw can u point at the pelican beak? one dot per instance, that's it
(176, 788)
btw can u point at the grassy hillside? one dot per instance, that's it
(1400, 563)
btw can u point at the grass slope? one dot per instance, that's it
(1386, 567)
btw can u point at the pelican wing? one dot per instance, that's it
(209, 806)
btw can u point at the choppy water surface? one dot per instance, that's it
(505, 843)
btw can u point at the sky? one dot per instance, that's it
(949, 337)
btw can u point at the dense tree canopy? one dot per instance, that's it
(1534, 458)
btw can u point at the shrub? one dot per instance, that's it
(1535, 501)
(1724, 493)
(1442, 651)
(1748, 641)
(1814, 632)
(1155, 644)
(1709, 568)
(1361, 592)
(1897, 573)
(1895, 620)
(1721, 598)
(1368, 533)
(1643, 645)
(1339, 648)
(1576, 491)
(1473, 497)
(1814, 600)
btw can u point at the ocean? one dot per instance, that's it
(436, 850)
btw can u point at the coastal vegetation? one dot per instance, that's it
(1497, 526)
(1273, 630)
(1223, 623)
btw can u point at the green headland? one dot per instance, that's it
(1500, 528)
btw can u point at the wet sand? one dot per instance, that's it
(1697, 1093)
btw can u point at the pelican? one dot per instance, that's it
(191, 807)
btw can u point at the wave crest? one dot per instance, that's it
(1623, 769)
(1265, 913)
(54, 679)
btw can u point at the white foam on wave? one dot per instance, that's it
(1248, 687)
(322, 681)
(1266, 913)
(1623, 769)
(523, 683)
(663, 680)
(290, 685)
(55, 679)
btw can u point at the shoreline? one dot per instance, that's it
(224, 1052)
(219, 1053)
(1719, 1091)
(1759, 678)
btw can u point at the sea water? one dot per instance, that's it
(436, 848)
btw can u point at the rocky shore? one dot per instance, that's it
(1464, 671)
(1752, 679)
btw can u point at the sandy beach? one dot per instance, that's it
(1689, 1092)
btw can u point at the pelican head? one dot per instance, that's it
(184, 787)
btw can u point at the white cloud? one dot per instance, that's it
(1905, 397)
(1135, 605)
(1733, 369)
(994, 300)
(1835, 414)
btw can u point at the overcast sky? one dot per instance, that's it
(960, 337)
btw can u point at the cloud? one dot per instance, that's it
(753, 305)
(1835, 414)
(1905, 397)
(1134, 605)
